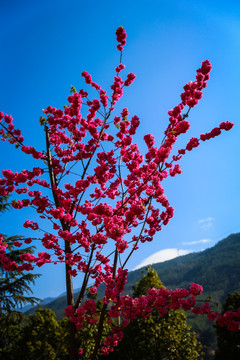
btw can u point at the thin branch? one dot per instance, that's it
(9, 132)
(120, 177)
(140, 234)
(85, 280)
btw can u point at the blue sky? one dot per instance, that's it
(44, 49)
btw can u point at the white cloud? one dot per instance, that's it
(202, 241)
(207, 223)
(161, 256)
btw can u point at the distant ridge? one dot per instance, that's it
(217, 269)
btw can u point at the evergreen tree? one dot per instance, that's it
(157, 338)
(37, 337)
(228, 342)
(11, 334)
(43, 338)
(4, 204)
(15, 285)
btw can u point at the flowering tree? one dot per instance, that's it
(101, 197)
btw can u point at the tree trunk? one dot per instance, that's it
(73, 354)
(99, 334)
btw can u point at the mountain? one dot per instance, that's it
(217, 269)
(45, 301)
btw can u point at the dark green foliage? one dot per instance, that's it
(157, 338)
(14, 285)
(43, 338)
(228, 343)
(4, 204)
(10, 334)
(39, 337)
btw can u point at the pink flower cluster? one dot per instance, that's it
(8, 131)
(121, 37)
(157, 299)
(230, 319)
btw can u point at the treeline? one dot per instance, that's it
(40, 336)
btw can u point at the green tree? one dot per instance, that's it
(43, 338)
(37, 337)
(157, 338)
(228, 342)
(14, 291)
(10, 334)
(15, 285)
